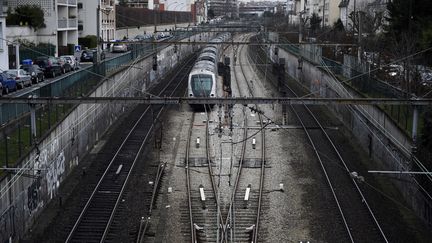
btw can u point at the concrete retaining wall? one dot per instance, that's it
(24, 194)
(378, 134)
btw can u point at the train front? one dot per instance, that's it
(202, 84)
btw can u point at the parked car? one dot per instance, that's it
(120, 47)
(50, 66)
(21, 77)
(139, 38)
(8, 83)
(65, 66)
(72, 61)
(87, 55)
(36, 73)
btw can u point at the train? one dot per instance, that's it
(202, 80)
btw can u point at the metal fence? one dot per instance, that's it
(357, 76)
(15, 136)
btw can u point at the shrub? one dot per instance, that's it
(31, 15)
(89, 41)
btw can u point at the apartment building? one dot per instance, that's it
(346, 7)
(60, 19)
(327, 10)
(140, 4)
(4, 55)
(87, 18)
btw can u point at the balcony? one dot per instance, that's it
(67, 2)
(72, 23)
(67, 23)
(62, 23)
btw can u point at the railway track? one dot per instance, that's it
(356, 215)
(94, 222)
(201, 189)
(243, 219)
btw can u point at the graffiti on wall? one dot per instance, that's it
(54, 173)
(33, 195)
(51, 161)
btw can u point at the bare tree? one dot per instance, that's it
(368, 19)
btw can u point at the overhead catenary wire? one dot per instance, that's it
(325, 155)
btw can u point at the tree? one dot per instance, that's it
(315, 22)
(338, 26)
(210, 13)
(122, 3)
(409, 16)
(31, 15)
(369, 21)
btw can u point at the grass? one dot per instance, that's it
(17, 143)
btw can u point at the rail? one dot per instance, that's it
(119, 159)
(325, 169)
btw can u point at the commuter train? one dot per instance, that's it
(203, 77)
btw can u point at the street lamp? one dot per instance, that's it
(105, 11)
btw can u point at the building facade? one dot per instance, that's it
(87, 18)
(327, 10)
(346, 7)
(61, 22)
(4, 54)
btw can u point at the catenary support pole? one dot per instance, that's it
(415, 123)
(33, 121)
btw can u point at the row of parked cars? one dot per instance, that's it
(121, 46)
(33, 72)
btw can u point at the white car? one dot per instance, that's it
(72, 60)
(119, 47)
(21, 76)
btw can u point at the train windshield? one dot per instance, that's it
(201, 85)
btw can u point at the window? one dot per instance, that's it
(80, 27)
(201, 85)
(80, 5)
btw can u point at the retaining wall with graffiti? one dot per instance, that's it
(24, 194)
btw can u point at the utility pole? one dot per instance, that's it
(355, 16)
(359, 49)
(323, 18)
(302, 23)
(98, 34)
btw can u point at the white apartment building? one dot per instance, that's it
(327, 10)
(4, 55)
(60, 19)
(87, 18)
(346, 7)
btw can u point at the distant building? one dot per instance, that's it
(346, 7)
(87, 18)
(140, 4)
(327, 10)
(227, 8)
(60, 19)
